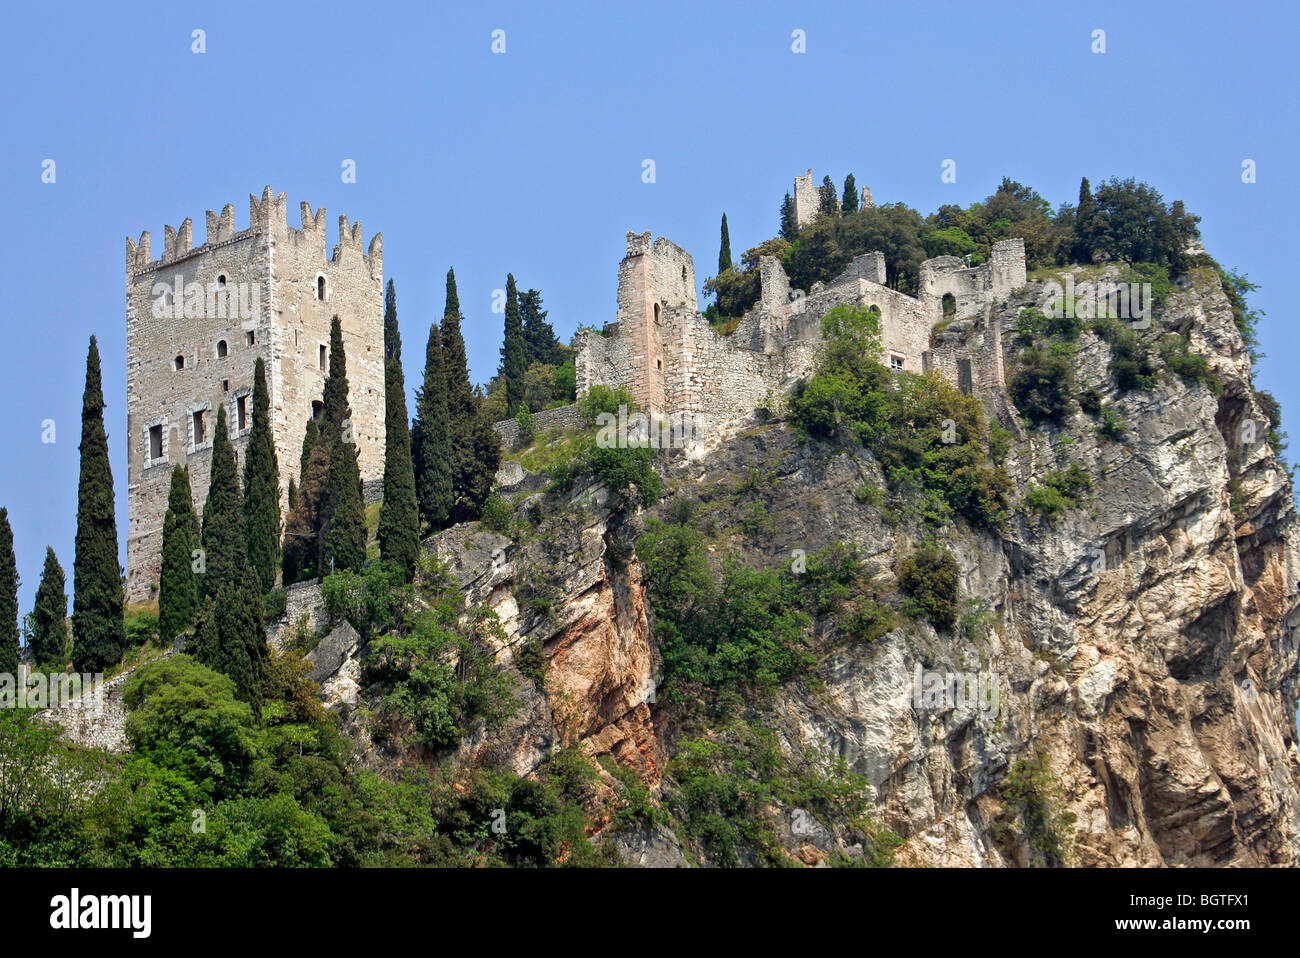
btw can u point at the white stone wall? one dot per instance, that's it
(288, 326)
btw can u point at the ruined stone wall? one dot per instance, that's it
(561, 417)
(975, 287)
(256, 297)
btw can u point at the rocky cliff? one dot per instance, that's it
(1133, 653)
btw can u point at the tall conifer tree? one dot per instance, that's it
(98, 629)
(262, 488)
(229, 635)
(724, 250)
(431, 451)
(789, 225)
(399, 520)
(50, 616)
(9, 652)
(849, 202)
(512, 349)
(178, 595)
(345, 538)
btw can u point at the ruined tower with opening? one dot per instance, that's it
(198, 318)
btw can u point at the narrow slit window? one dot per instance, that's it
(155, 441)
(198, 427)
(241, 412)
(324, 358)
(250, 338)
(320, 288)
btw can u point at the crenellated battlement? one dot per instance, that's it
(268, 218)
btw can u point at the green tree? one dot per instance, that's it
(724, 251)
(9, 652)
(346, 538)
(789, 225)
(98, 629)
(513, 365)
(830, 203)
(399, 521)
(849, 203)
(49, 641)
(460, 397)
(178, 597)
(1083, 225)
(541, 346)
(229, 636)
(262, 488)
(431, 451)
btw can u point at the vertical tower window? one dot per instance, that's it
(221, 280)
(317, 410)
(320, 288)
(324, 358)
(198, 428)
(178, 363)
(656, 312)
(221, 349)
(250, 338)
(241, 412)
(155, 441)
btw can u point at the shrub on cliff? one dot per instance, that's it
(929, 577)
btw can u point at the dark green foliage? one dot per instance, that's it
(513, 359)
(1272, 409)
(849, 202)
(1034, 796)
(1083, 223)
(1130, 362)
(431, 439)
(1090, 402)
(460, 397)
(928, 437)
(789, 227)
(824, 248)
(1042, 385)
(99, 636)
(628, 471)
(178, 587)
(1060, 490)
(830, 202)
(8, 598)
(1236, 286)
(1132, 223)
(228, 636)
(1112, 427)
(399, 520)
(344, 527)
(293, 493)
(724, 250)
(438, 672)
(49, 641)
(186, 717)
(262, 488)
(478, 464)
(541, 346)
(311, 434)
(929, 577)
(303, 544)
(1190, 367)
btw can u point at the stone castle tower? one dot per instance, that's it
(197, 319)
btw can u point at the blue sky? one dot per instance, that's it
(530, 161)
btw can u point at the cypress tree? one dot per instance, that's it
(849, 202)
(98, 629)
(540, 342)
(262, 488)
(309, 437)
(345, 523)
(50, 615)
(9, 652)
(399, 520)
(789, 225)
(178, 591)
(830, 203)
(1083, 223)
(460, 397)
(512, 350)
(292, 494)
(724, 251)
(228, 636)
(431, 452)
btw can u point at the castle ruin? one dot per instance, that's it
(672, 361)
(197, 319)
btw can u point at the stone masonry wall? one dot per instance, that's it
(256, 297)
(561, 417)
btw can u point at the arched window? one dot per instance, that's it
(656, 312)
(949, 304)
(320, 288)
(178, 362)
(317, 410)
(221, 281)
(221, 349)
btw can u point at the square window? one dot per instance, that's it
(895, 362)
